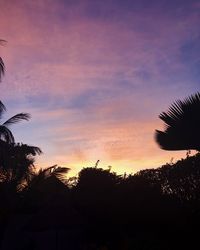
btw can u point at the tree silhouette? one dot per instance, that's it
(38, 178)
(44, 187)
(182, 123)
(5, 133)
(16, 166)
(16, 163)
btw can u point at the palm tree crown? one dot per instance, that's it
(17, 163)
(5, 133)
(182, 125)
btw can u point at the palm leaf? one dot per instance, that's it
(56, 171)
(182, 125)
(32, 150)
(17, 118)
(6, 135)
(2, 68)
(25, 149)
(60, 172)
(2, 109)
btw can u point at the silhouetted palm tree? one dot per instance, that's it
(37, 178)
(16, 163)
(182, 125)
(5, 133)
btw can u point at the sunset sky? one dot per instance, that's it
(95, 75)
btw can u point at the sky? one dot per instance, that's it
(95, 75)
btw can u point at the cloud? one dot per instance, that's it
(74, 51)
(95, 75)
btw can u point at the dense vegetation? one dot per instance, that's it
(154, 207)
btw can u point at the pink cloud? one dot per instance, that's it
(63, 58)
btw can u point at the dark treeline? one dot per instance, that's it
(152, 209)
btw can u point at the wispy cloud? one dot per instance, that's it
(96, 74)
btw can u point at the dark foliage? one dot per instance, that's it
(154, 208)
(5, 133)
(182, 122)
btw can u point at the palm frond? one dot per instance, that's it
(43, 174)
(6, 135)
(33, 150)
(182, 123)
(2, 109)
(17, 118)
(25, 149)
(168, 141)
(60, 172)
(2, 68)
(55, 171)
